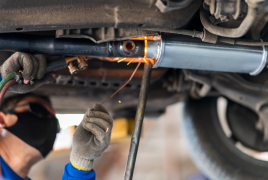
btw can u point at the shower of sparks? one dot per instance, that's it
(145, 59)
(124, 84)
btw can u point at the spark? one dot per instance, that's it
(130, 61)
(121, 60)
(145, 60)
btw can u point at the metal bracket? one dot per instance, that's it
(251, 95)
(234, 87)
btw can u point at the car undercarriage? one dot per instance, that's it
(199, 50)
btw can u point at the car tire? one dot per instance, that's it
(211, 150)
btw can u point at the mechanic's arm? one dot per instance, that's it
(90, 139)
(33, 67)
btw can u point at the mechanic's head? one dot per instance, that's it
(31, 118)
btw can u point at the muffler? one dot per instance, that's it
(177, 51)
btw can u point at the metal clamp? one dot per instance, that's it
(263, 62)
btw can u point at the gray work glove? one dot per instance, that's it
(91, 137)
(33, 67)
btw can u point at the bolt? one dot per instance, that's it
(72, 68)
(82, 65)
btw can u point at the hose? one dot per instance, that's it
(229, 32)
(7, 79)
(10, 79)
(5, 88)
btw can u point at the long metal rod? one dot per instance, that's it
(134, 145)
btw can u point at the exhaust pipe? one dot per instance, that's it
(177, 51)
(172, 51)
(70, 46)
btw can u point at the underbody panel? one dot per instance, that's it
(34, 15)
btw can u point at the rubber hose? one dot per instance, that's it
(6, 79)
(5, 88)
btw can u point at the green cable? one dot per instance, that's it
(6, 79)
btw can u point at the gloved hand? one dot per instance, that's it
(34, 67)
(91, 137)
